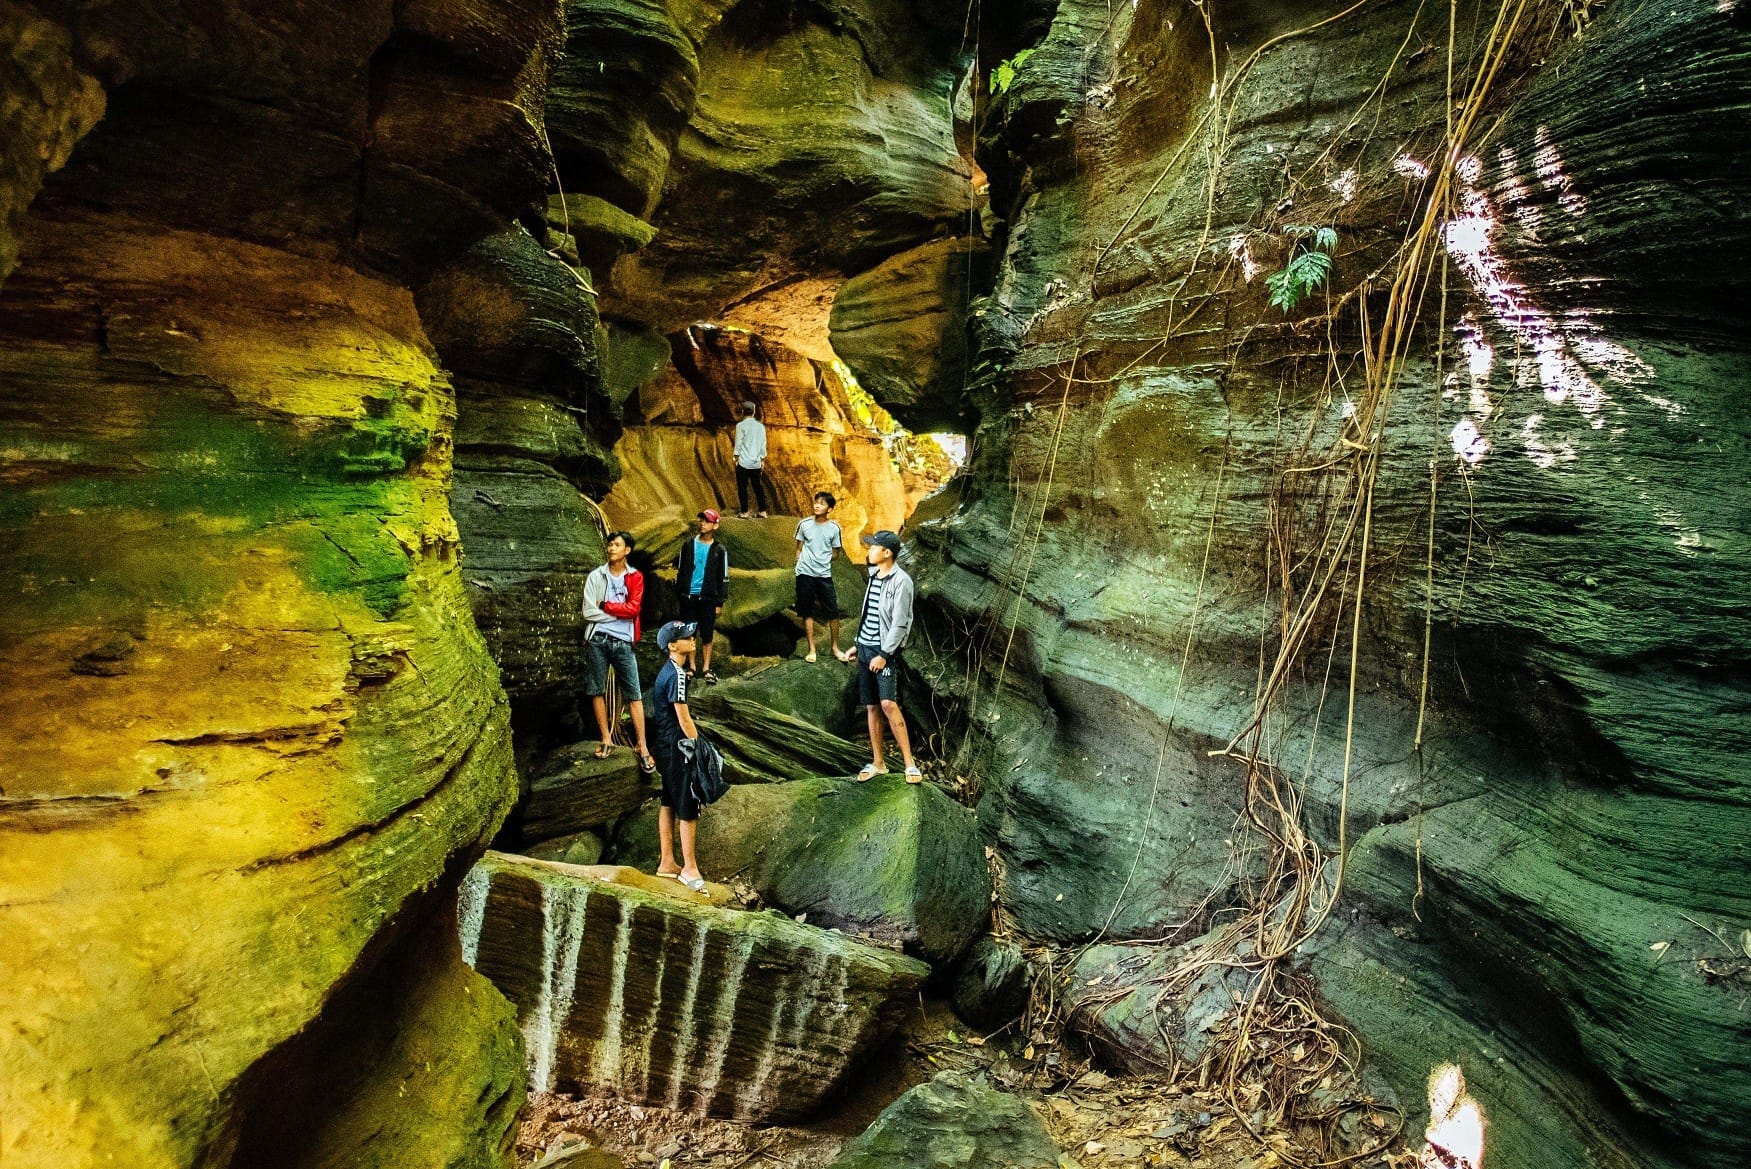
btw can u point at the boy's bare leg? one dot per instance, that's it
(666, 842)
(809, 632)
(689, 861)
(897, 721)
(599, 705)
(876, 731)
(637, 705)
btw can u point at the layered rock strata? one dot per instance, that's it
(518, 329)
(652, 997)
(1153, 491)
(250, 723)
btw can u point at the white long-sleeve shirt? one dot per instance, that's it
(750, 444)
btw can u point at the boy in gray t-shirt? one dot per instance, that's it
(817, 537)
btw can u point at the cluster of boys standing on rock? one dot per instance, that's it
(614, 595)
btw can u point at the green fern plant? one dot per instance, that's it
(1309, 264)
(1003, 76)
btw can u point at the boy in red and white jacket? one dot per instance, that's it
(613, 595)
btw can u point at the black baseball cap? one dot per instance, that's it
(886, 539)
(674, 631)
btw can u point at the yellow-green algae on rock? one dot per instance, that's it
(248, 715)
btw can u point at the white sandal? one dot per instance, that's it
(869, 772)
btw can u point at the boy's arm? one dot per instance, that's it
(634, 601)
(895, 635)
(594, 590)
(685, 718)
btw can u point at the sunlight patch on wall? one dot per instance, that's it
(1566, 354)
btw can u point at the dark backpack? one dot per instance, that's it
(705, 769)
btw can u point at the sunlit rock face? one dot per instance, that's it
(677, 451)
(1582, 803)
(252, 735)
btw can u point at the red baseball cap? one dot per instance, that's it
(710, 516)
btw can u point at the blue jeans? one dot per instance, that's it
(602, 651)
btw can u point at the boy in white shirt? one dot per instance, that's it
(817, 538)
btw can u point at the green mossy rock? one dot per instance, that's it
(991, 988)
(580, 848)
(626, 984)
(821, 694)
(897, 863)
(954, 1120)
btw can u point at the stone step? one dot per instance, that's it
(633, 986)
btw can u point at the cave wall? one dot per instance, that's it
(250, 723)
(1547, 893)
(678, 447)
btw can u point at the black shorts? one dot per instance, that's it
(703, 613)
(875, 688)
(677, 792)
(816, 597)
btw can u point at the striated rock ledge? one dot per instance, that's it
(654, 997)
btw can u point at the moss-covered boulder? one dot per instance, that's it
(897, 863)
(954, 1119)
(639, 991)
(820, 694)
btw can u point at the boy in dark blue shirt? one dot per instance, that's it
(670, 723)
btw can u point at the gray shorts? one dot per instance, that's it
(602, 651)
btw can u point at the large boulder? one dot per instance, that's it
(762, 745)
(648, 995)
(897, 863)
(954, 1120)
(572, 790)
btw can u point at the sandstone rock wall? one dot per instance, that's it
(1543, 892)
(250, 724)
